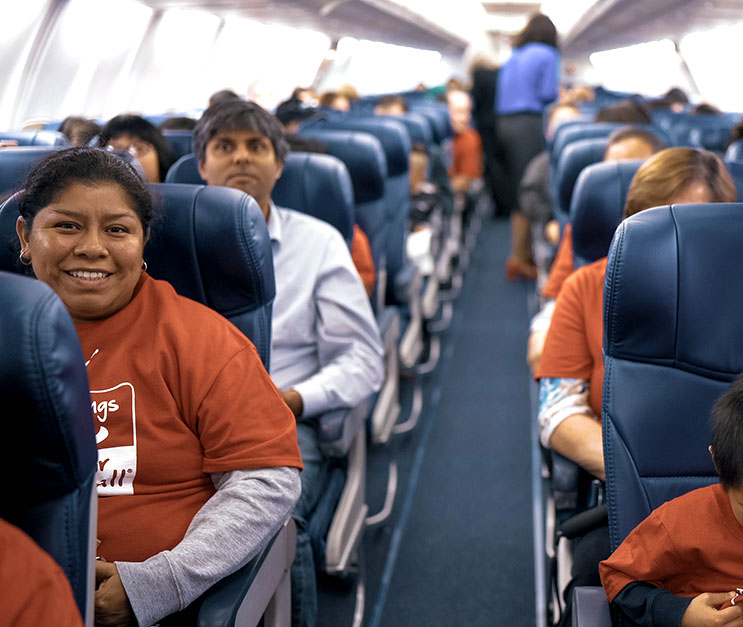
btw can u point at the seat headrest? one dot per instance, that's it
(597, 207)
(685, 259)
(36, 138)
(391, 133)
(570, 132)
(572, 160)
(438, 117)
(49, 441)
(181, 142)
(185, 170)
(15, 164)
(320, 186)
(363, 155)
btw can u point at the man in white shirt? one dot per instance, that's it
(326, 350)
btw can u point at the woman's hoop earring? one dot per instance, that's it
(144, 265)
(24, 261)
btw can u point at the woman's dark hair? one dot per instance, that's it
(727, 435)
(540, 29)
(179, 123)
(238, 115)
(139, 127)
(83, 164)
(628, 111)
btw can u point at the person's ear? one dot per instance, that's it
(712, 454)
(23, 235)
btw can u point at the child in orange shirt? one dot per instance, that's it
(683, 564)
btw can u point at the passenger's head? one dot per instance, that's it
(460, 110)
(628, 111)
(223, 95)
(677, 176)
(240, 145)
(180, 123)
(291, 113)
(557, 115)
(705, 108)
(631, 143)
(335, 100)
(85, 218)
(727, 435)
(418, 167)
(79, 130)
(539, 29)
(391, 105)
(139, 138)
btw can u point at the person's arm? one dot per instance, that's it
(568, 425)
(650, 606)
(244, 513)
(349, 345)
(548, 84)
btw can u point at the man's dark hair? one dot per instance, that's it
(391, 100)
(238, 115)
(223, 95)
(179, 123)
(727, 435)
(628, 111)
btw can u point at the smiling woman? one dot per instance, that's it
(184, 442)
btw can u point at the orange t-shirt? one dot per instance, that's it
(467, 154)
(562, 266)
(573, 348)
(690, 545)
(178, 393)
(35, 590)
(361, 255)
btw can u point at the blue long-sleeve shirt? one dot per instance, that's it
(529, 80)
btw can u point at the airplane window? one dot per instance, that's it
(661, 68)
(374, 67)
(288, 57)
(19, 20)
(708, 55)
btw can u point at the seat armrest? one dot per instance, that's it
(337, 429)
(241, 598)
(564, 481)
(590, 607)
(388, 321)
(406, 284)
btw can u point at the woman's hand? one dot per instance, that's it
(293, 399)
(703, 612)
(112, 607)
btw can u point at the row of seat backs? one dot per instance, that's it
(49, 456)
(671, 347)
(35, 138)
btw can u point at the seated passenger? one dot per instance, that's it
(143, 141)
(223, 95)
(326, 351)
(571, 370)
(393, 104)
(681, 565)
(197, 451)
(624, 143)
(79, 130)
(466, 145)
(35, 589)
(628, 111)
(335, 100)
(178, 123)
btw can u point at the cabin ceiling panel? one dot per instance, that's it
(335, 18)
(618, 23)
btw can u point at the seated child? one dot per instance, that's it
(683, 564)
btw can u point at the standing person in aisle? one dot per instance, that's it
(527, 82)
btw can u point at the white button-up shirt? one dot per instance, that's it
(325, 342)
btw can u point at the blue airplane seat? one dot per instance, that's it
(670, 351)
(318, 185)
(734, 152)
(710, 132)
(438, 116)
(15, 164)
(736, 171)
(597, 207)
(49, 457)
(365, 160)
(185, 170)
(570, 164)
(36, 138)
(395, 141)
(181, 142)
